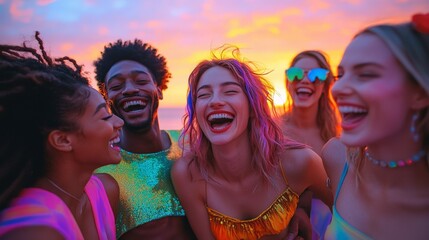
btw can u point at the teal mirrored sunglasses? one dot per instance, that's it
(297, 74)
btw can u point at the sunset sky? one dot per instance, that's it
(268, 32)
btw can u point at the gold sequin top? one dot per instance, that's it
(272, 221)
(146, 189)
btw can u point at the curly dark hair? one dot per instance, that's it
(136, 50)
(38, 94)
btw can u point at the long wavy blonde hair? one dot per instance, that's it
(327, 114)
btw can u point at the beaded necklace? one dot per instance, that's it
(393, 164)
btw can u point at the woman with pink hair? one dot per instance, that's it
(240, 178)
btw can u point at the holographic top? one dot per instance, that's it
(339, 227)
(146, 189)
(270, 222)
(38, 207)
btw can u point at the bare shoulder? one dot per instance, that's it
(181, 166)
(300, 163)
(299, 158)
(185, 169)
(33, 232)
(334, 155)
(109, 183)
(112, 190)
(304, 170)
(332, 147)
(188, 182)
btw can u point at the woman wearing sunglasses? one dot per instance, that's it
(381, 181)
(311, 116)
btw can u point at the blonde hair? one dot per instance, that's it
(411, 49)
(327, 114)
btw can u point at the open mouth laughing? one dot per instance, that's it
(304, 92)
(113, 143)
(351, 116)
(133, 105)
(220, 122)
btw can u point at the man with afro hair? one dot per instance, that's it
(132, 76)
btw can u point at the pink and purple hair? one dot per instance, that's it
(266, 137)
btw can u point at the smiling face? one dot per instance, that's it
(222, 108)
(373, 93)
(304, 93)
(98, 133)
(134, 94)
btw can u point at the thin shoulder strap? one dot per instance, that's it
(340, 184)
(283, 172)
(205, 190)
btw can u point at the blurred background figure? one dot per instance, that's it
(311, 116)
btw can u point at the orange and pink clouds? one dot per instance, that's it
(44, 2)
(18, 13)
(268, 32)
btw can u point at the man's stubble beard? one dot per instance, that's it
(144, 126)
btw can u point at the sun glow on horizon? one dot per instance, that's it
(267, 32)
(279, 98)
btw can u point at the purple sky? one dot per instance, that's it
(268, 32)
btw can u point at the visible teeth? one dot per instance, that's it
(135, 102)
(303, 90)
(349, 109)
(220, 116)
(116, 140)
